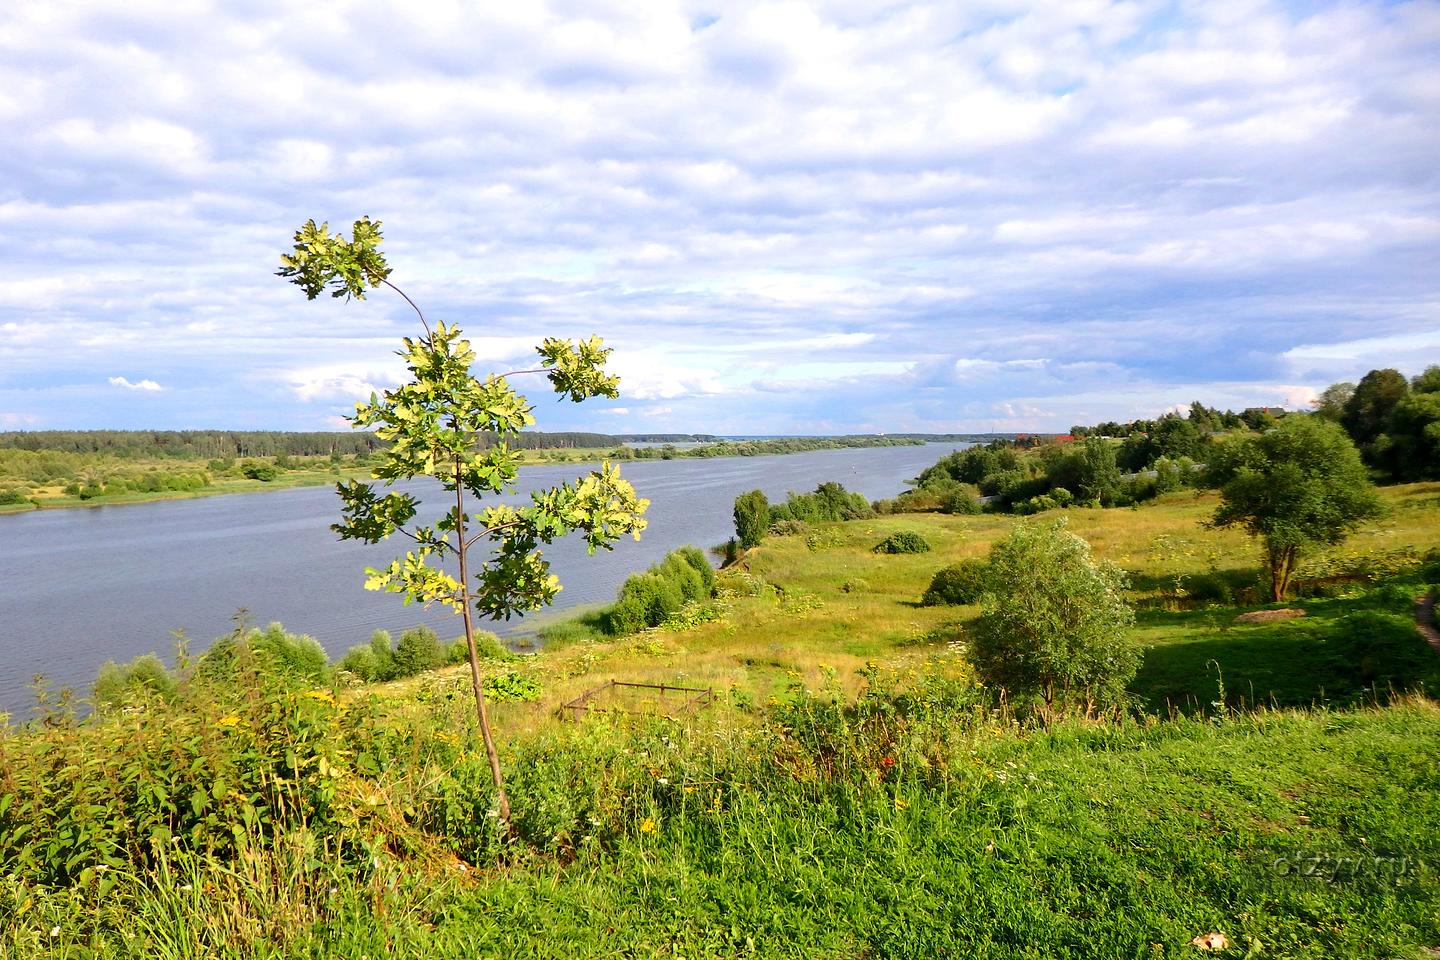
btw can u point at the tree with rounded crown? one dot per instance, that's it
(445, 424)
(1299, 485)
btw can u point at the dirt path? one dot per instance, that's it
(1425, 620)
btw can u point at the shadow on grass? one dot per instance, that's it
(1341, 652)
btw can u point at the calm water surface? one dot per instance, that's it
(79, 587)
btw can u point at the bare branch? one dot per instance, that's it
(402, 293)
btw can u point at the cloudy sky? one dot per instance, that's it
(785, 217)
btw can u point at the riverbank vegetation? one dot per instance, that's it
(92, 468)
(856, 788)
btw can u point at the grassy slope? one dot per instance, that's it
(1085, 843)
(1089, 841)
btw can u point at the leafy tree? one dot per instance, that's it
(1297, 486)
(752, 518)
(1368, 408)
(1099, 475)
(1055, 622)
(445, 424)
(1427, 381)
(1414, 433)
(1332, 401)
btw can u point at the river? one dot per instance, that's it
(79, 587)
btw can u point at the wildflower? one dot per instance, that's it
(647, 825)
(887, 762)
(900, 804)
(55, 931)
(321, 696)
(230, 721)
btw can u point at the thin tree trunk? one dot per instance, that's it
(475, 682)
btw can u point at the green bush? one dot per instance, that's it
(254, 470)
(959, 583)
(13, 496)
(145, 675)
(830, 501)
(790, 528)
(293, 656)
(855, 585)
(962, 501)
(903, 541)
(1056, 623)
(359, 661)
(417, 651)
(649, 599)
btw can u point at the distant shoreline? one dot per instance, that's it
(652, 450)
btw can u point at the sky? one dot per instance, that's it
(787, 217)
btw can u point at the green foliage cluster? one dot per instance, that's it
(1395, 422)
(960, 583)
(1055, 621)
(651, 598)
(903, 541)
(274, 653)
(1295, 487)
(752, 518)
(830, 501)
(512, 687)
(417, 651)
(791, 528)
(757, 448)
(1043, 477)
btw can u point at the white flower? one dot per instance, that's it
(55, 931)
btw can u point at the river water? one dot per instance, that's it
(79, 587)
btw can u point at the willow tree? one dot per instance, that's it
(446, 424)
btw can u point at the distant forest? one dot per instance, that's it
(230, 444)
(213, 444)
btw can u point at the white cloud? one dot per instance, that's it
(1198, 194)
(148, 386)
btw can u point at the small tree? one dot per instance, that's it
(752, 518)
(438, 425)
(1296, 486)
(1055, 622)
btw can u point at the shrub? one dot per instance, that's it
(290, 655)
(830, 501)
(752, 518)
(360, 662)
(790, 528)
(959, 583)
(418, 650)
(962, 501)
(487, 644)
(649, 599)
(903, 541)
(857, 585)
(1055, 622)
(145, 675)
(13, 496)
(254, 470)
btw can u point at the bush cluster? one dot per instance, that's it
(959, 583)
(417, 651)
(649, 599)
(903, 541)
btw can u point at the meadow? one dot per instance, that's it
(853, 790)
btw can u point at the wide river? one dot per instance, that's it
(79, 587)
